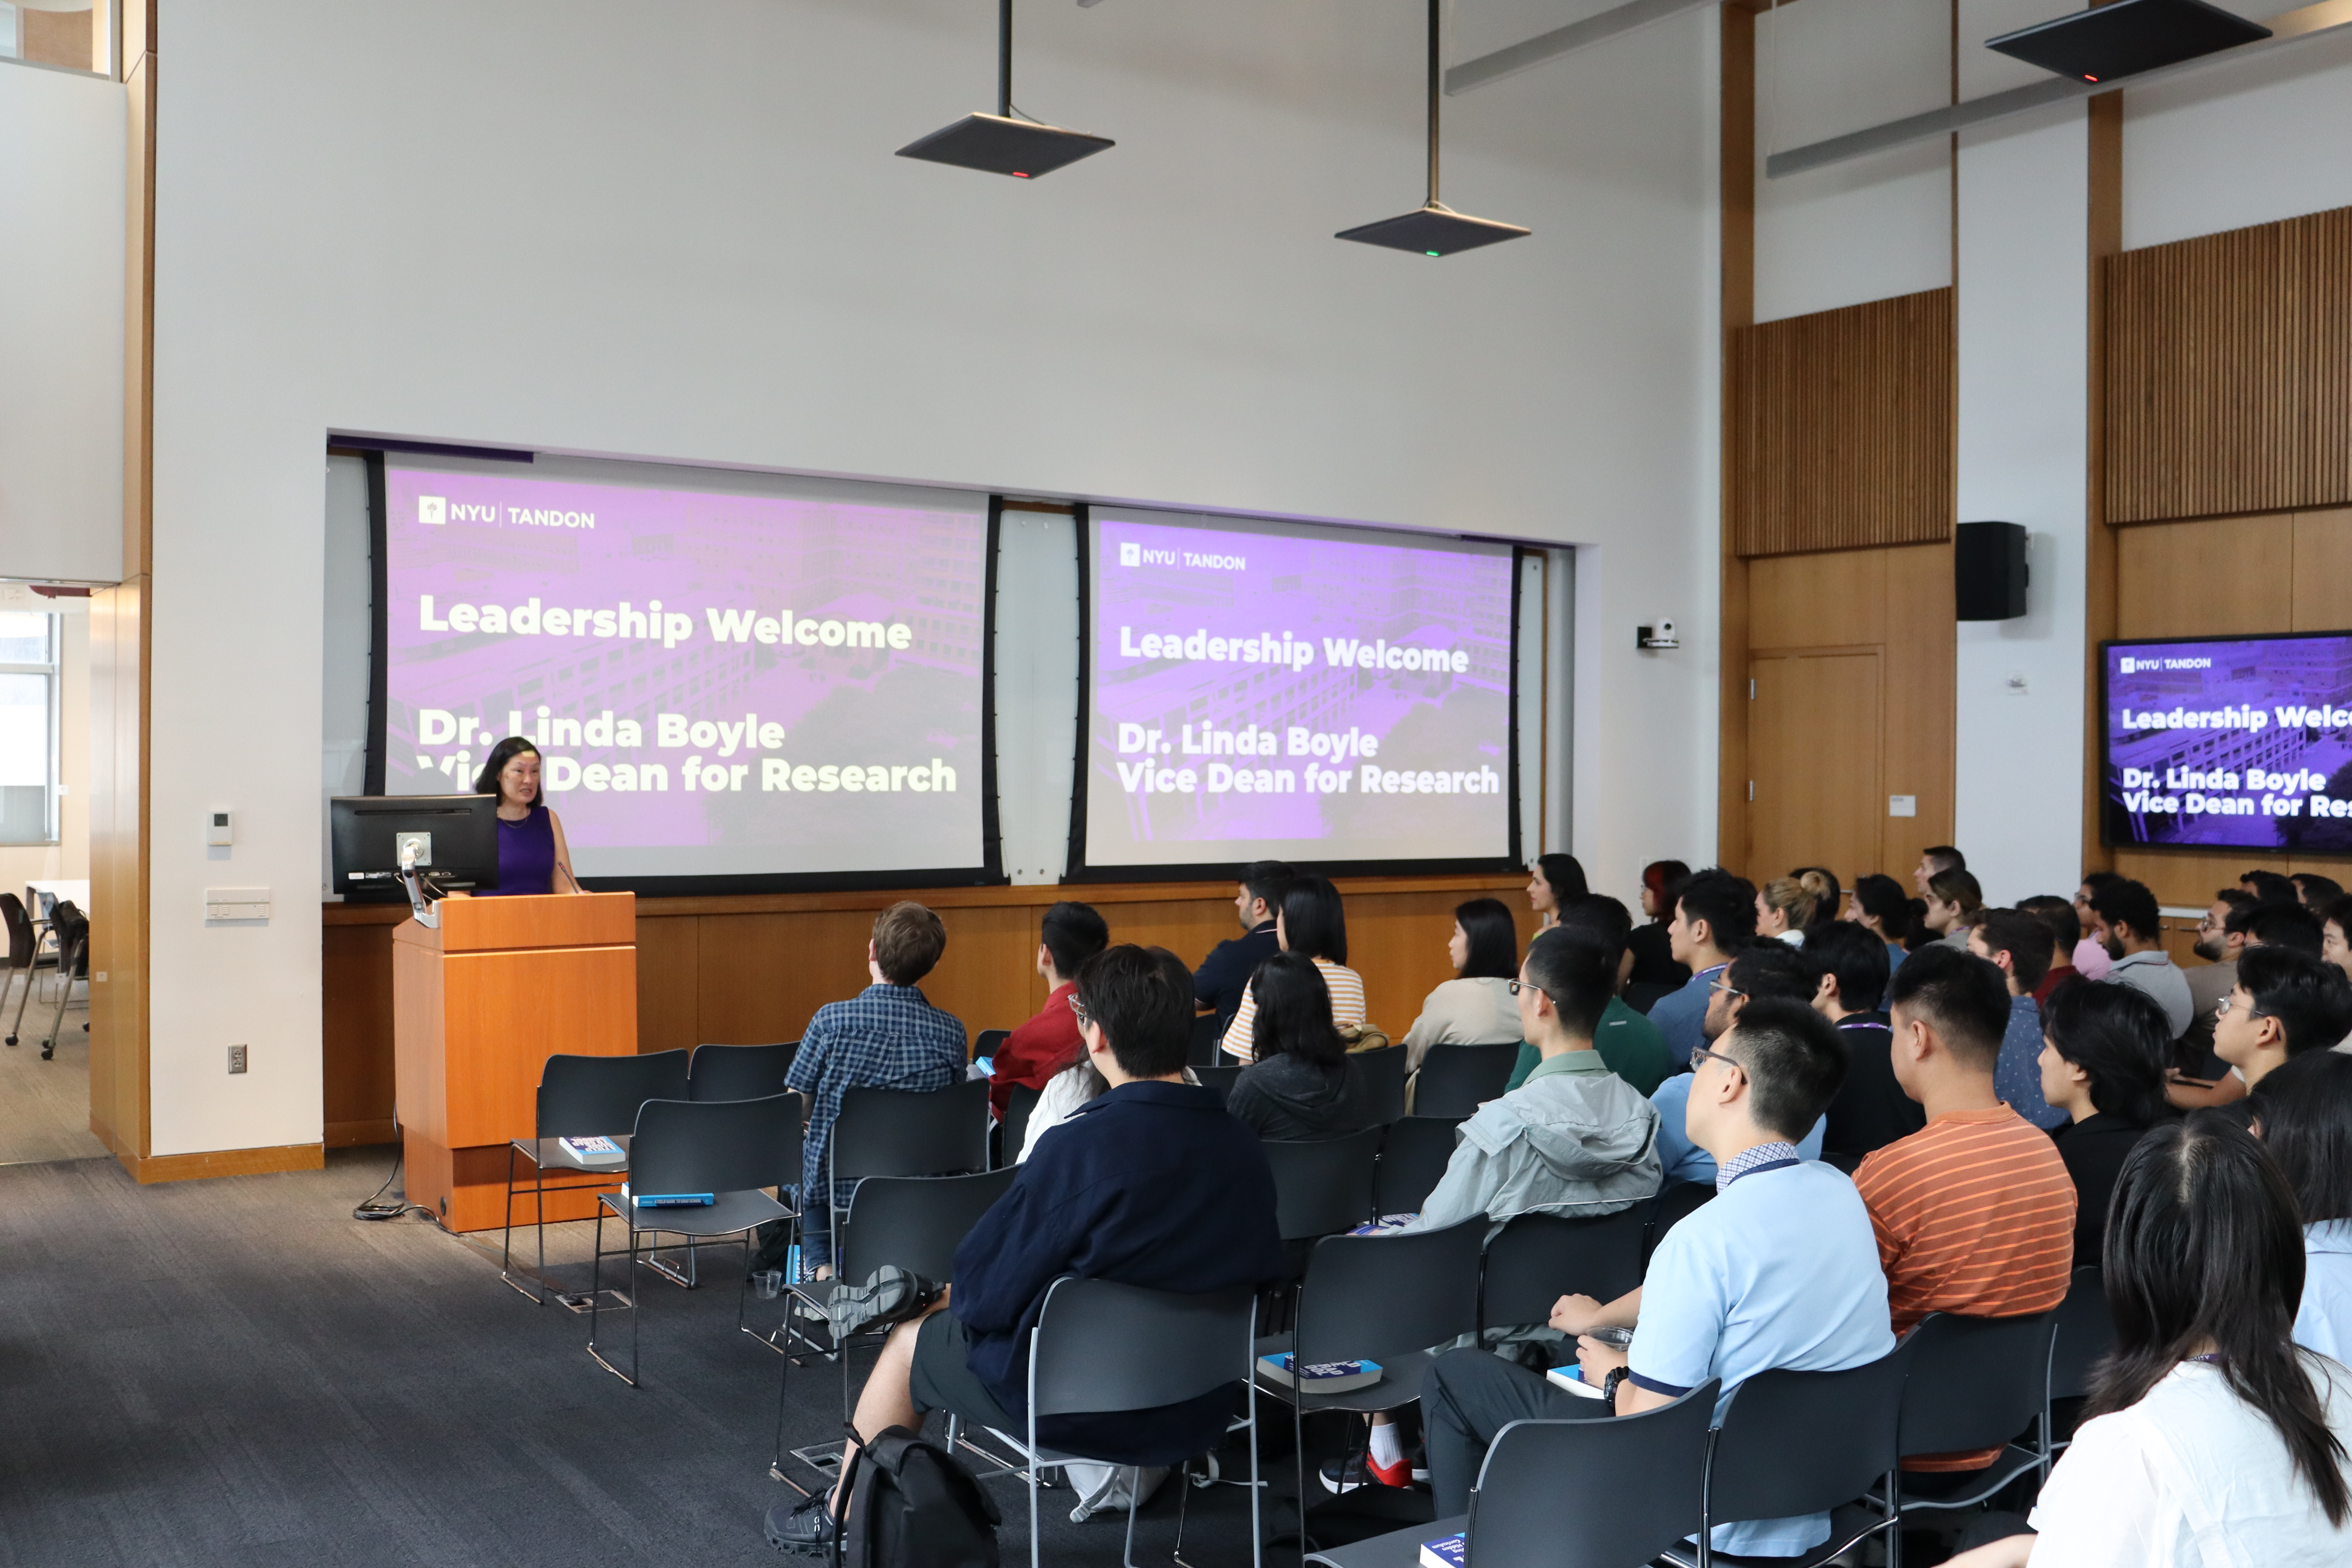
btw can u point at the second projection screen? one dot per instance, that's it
(1262, 691)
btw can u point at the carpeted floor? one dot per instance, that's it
(45, 1105)
(236, 1371)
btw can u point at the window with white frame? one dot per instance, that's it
(28, 729)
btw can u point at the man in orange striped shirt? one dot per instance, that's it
(1974, 1213)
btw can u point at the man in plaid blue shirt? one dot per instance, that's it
(889, 1036)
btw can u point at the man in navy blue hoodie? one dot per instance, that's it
(1150, 1184)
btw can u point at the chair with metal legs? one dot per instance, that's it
(726, 1149)
(740, 1072)
(1083, 1359)
(914, 1222)
(582, 1097)
(1974, 1384)
(1537, 1258)
(72, 929)
(28, 952)
(1414, 1152)
(892, 1132)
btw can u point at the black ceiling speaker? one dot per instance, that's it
(1433, 228)
(2108, 42)
(1989, 573)
(1002, 143)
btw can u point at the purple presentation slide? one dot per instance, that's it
(777, 677)
(1283, 691)
(2243, 742)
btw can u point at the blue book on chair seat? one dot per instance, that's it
(1445, 1551)
(1325, 1376)
(668, 1200)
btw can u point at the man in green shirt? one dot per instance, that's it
(1633, 1047)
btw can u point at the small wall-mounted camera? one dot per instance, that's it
(1660, 636)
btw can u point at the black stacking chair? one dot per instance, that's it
(2086, 1331)
(1207, 1030)
(988, 1042)
(1082, 1360)
(1537, 1258)
(1976, 1382)
(1382, 1299)
(1647, 1466)
(1383, 1070)
(1220, 1079)
(28, 953)
(1802, 1442)
(1323, 1187)
(740, 1072)
(726, 1148)
(914, 1222)
(1012, 1132)
(1676, 1202)
(1413, 1156)
(890, 1132)
(582, 1097)
(71, 928)
(1455, 1081)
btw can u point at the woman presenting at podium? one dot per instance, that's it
(532, 855)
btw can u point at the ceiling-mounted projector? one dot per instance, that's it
(2109, 42)
(1004, 142)
(1433, 228)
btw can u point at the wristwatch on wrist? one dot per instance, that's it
(1617, 1374)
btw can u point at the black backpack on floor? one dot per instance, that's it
(912, 1505)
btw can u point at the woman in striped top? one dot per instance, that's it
(1311, 922)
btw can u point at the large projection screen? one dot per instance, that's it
(1334, 697)
(736, 680)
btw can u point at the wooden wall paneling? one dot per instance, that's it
(1737, 305)
(1814, 804)
(669, 983)
(2229, 371)
(2323, 571)
(1834, 598)
(118, 808)
(2104, 235)
(355, 1035)
(2204, 579)
(1920, 705)
(1844, 436)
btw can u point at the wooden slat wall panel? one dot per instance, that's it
(2229, 373)
(1842, 427)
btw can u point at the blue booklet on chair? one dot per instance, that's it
(1322, 1376)
(1445, 1551)
(668, 1200)
(587, 1149)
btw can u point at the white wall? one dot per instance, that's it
(578, 231)
(62, 171)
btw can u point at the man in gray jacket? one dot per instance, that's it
(1574, 1139)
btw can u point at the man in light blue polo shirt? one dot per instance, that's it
(1780, 1270)
(1714, 917)
(1761, 970)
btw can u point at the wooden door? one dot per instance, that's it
(1813, 734)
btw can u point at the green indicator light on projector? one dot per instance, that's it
(1429, 253)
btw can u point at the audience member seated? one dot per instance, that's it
(1768, 970)
(1575, 1138)
(2271, 887)
(1954, 904)
(2103, 1055)
(1312, 922)
(1975, 1212)
(2335, 935)
(1653, 949)
(1301, 1082)
(1784, 908)
(1152, 1184)
(1475, 1008)
(1883, 910)
(889, 1036)
(1630, 1044)
(2091, 960)
(2316, 891)
(2286, 1003)
(2123, 919)
(1553, 881)
(1223, 977)
(1778, 1271)
(2065, 931)
(1045, 1044)
(1934, 861)
(2018, 945)
(1714, 917)
(1870, 1109)
(2210, 981)
(1829, 898)
(2303, 1113)
(2286, 925)
(2211, 1436)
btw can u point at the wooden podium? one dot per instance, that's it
(478, 1006)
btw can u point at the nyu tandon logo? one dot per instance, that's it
(433, 508)
(1131, 554)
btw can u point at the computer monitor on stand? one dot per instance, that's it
(449, 843)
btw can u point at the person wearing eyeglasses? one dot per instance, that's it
(1768, 970)
(2286, 1003)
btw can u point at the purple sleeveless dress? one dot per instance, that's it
(526, 856)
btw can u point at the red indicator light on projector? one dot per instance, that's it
(1019, 176)
(2090, 78)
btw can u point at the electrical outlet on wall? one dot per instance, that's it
(236, 1058)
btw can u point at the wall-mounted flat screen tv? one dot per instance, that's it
(2229, 742)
